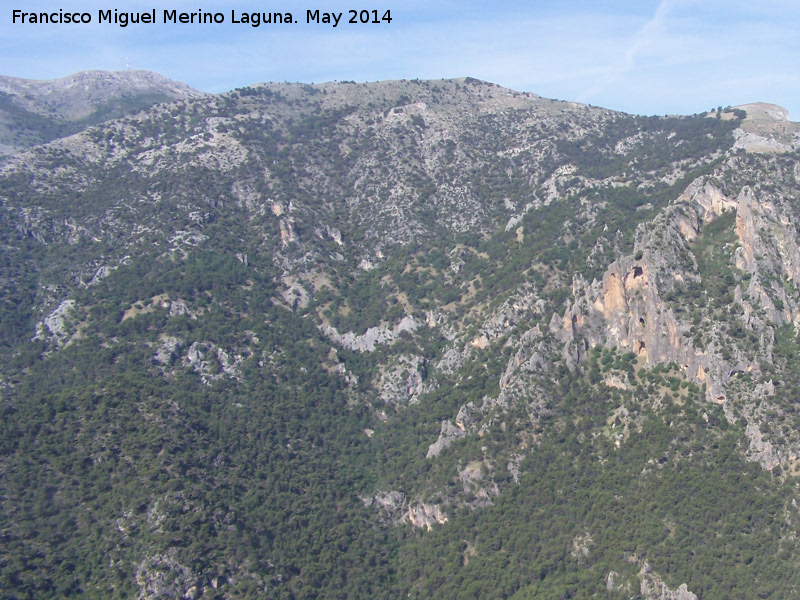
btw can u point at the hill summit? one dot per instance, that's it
(38, 111)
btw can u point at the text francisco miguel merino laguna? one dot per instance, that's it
(254, 19)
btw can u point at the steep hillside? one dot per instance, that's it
(37, 111)
(410, 338)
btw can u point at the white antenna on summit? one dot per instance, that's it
(127, 64)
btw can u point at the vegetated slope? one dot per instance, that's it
(38, 111)
(406, 338)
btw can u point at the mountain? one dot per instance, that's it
(406, 338)
(35, 111)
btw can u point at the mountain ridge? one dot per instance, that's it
(38, 111)
(406, 338)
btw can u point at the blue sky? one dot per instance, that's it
(646, 57)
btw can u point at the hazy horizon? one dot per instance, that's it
(654, 57)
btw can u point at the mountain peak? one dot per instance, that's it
(767, 128)
(77, 96)
(37, 111)
(764, 110)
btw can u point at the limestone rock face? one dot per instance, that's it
(161, 576)
(373, 337)
(211, 362)
(55, 325)
(637, 306)
(767, 129)
(653, 587)
(288, 232)
(402, 383)
(425, 515)
(168, 351)
(393, 504)
(449, 433)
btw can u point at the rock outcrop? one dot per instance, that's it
(767, 129)
(381, 335)
(403, 383)
(631, 309)
(425, 515)
(654, 588)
